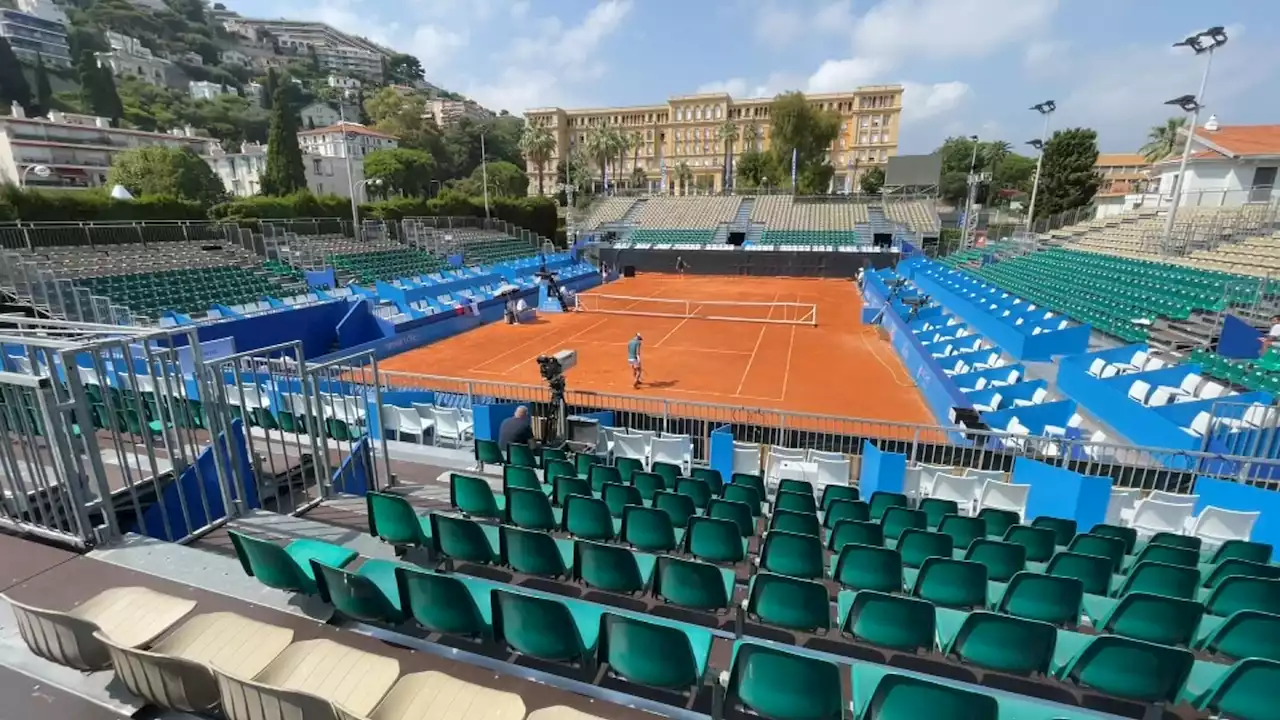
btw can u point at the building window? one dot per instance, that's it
(315, 163)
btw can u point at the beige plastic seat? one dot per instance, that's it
(130, 616)
(306, 681)
(560, 712)
(440, 696)
(175, 674)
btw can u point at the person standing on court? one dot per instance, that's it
(633, 357)
(516, 429)
(681, 265)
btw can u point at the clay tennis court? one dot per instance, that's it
(840, 367)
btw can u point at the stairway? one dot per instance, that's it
(633, 212)
(755, 233)
(743, 216)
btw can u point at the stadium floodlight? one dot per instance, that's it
(968, 202)
(1036, 143)
(1046, 109)
(1202, 43)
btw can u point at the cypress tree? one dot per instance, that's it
(284, 174)
(90, 79)
(111, 106)
(269, 89)
(43, 91)
(13, 83)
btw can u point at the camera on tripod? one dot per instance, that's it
(553, 368)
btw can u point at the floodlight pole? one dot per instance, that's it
(484, 176)
(1045, 108)
(968, 202)
(1217, 38)
(351, 178)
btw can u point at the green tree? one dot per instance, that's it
(401, 170)
(13, 83)
(684, 175)
(1162, 140)
(109, 103)
(284, 174)
(600, 146)
(269, 87)
(505, 180)
(755, 168)
(155, 170)
(43, 91)
(872, 180)
(728, 134)
(1067, 178)
(401, 69)
(400, 114)
(538, 144)
(639, 178)
(808, 132)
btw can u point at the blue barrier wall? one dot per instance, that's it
(721, 452)
(314, 325)
(359, 326)
(489, 417)
(1239, 339)
(1033, 417)
(1232, 495)
(881, 471)
(1017, 391)
(1058, 492)
(355, 475)
(321, 279)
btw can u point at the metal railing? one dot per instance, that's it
(1130, 466)
(33, 236)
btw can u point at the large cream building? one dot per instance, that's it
(685, 129)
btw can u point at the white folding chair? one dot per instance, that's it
(1001, 495)
(992, 404)
(1138, 391)
(773, 462)
(1109, 371)
(831, 472)
(425, 410)
(979, 385)
(629, 445)
(1009, 379)
(1135, 363)
(927, 475)
(1199, 425)
(1211, 390)
(1160, 397)
(648, 436)
(1173, 498)
(671, 450)
(985, 475)
(746, 458)
(963, 490)
(1215, 526)
(1152, 516)
(608, 432)
(825, 455)
(1037, 397)
(1121, 504)
(449, 425)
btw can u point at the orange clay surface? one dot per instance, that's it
(839, 368)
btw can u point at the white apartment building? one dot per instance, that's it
(204, 90)
(449, 112)
(329, 141)
(318, 115)
(234, 57)
(336, 51)
(77, 149)
(31, 34)
(253, 93)
(43, 9)
(129, 57)
(241, 172)
(342, 82)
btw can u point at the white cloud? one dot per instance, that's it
(436, 46)
(779, 24)
(923, 101)
(946, 29)
(743, 88)
(1043, 54)
(844, 75)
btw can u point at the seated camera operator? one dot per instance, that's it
(516, 429)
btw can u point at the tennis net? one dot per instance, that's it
(780, 313)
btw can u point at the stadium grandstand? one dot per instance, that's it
(716, 456)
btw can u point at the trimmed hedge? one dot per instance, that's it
(537, 214)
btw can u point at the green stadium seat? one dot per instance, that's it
(1047, 598)
(1003, 560)
(1246, 634)
(584, 462)
(799, 556)
(839, 510)
(737, 512)
(655, 653)
(839, 493)
(692, 584)
(1103, 546)
(1216, 574)
(1157, 578)
(881, 501)
(802, 523)
(287, 568)
(564, 487)
(627, 468)
(935, 509)
(369, 594)
(743, 494)
(1186, 542)
(916, 546)
(649, 484)
(1143, 616)
(896, 519)
(963, 530)
(546, 629)
(697, 490)
(1040, 542)
(679, 507)
(601, 475)
(462, 540)
(1063, 530)
(854, 531)
(473, 497)
(1243, 690)
(1166, 554)
(650, 530)
(998, 521)
(775, 683)
(519, 476)
(949, 583)
(531, 510)
(487, 451)
(789, 602)
(533, 552)
(864, 567)
(521, 455)
(1093, 571)
(669, 472)
(587, 518)
(895, 622)
(711, 477)
(998, 642)
(715, 541)
(1242, 550)
(795, 502)
(392, 519)
(749, 480)
(550, 454)
(881, 694)
(612, 568)
(618, 497)
(1122, 667)
(1242, 592)
(1127, 535)
(792, 485)
(552, 469)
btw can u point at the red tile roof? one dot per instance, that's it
(1234, 141)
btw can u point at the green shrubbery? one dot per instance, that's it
(536, 214)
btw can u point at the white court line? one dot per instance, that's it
(756, 349)
(539, 338)
(786, 374)
(673, 331)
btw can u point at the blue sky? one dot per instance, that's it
(969, 66)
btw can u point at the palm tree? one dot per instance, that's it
(538, 145)
(750, 134)
(683, 175)
(599, 147)
(728, 134)
(621, 146)
(1162, 140)
(638, 176)
(995, 151)
(637, 142)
